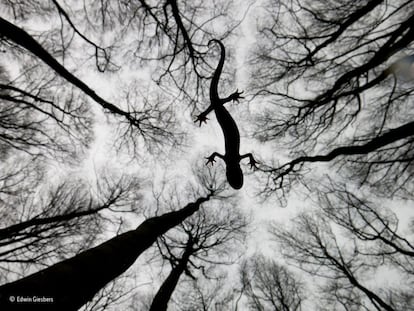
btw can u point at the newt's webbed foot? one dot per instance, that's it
(211, 159)
(201, 118)
(236, 96)
(252, 162)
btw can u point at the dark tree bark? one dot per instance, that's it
(163, 296)
(193, 248)
(71, 283)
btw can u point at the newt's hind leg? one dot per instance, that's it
(252, 161)
(211, 158)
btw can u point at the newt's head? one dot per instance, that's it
(234, 175)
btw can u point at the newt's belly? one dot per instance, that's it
(230, 131)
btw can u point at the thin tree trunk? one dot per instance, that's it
(73, 282)
(11, 231)
(163, 296)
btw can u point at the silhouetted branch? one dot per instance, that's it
(22, 38)
(391, 136)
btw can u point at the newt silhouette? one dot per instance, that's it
(231, 133)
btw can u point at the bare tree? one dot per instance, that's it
(206, 294)
(270, 286)
(336, 78)
(51, 105)
(38, 119)
(329, 72)
(180, 32)
(193, 247)
(375, 225)
(335, 83)
(177, 32)
(61, 221)
(113, 295)
(343, 260)
(71, 283)
(209, 238)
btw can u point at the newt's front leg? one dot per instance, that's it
(202, 117)
(233, 97)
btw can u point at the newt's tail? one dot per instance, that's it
(217, 72)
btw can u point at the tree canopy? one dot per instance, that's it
(110, 111)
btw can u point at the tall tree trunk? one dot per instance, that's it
(73, 282)
(161, 299)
